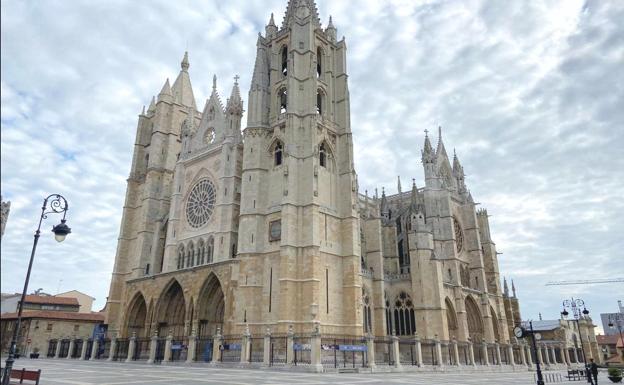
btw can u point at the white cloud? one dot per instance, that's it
(530, 94)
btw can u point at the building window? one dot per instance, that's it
(277, 154)
(319, 62)
(147, 269)
(275, 230)
(283, 100)
(368, 323)
(285, 60)
(49, 327)
(322, 155)
(404, 317)
(319, 102)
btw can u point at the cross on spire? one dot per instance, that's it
(236, 79)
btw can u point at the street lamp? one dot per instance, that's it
(575, 306)
(53, 204)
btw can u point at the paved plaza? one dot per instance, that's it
(75, 372)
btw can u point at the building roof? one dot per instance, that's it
(51, 300)
(59, 315)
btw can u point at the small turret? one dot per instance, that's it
(165, 93)
(505, 288)
(152, 106)
(235, 102)
(428, 156)
(271, 28)
(441, 150)
(513, 289)
(331, 31)
(383, 207)
(414, 196)
(399, 184)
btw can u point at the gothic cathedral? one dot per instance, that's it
(226, 230)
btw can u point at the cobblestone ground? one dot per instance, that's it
(73, 372)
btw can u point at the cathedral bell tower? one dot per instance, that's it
(299, 237)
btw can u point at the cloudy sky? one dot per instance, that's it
(530, 93)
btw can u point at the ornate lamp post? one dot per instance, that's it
(53, 204)
(575, 306)
(617, 320)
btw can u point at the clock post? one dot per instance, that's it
(520, 332)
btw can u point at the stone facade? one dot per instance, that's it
(224, 232)
(39, 327)
(5, 209)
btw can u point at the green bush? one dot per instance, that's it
(615, 372)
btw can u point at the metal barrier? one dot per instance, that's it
(517, 354)
(256, 348)
(203, 349)
(302, 351)
(478, 354)
(230, 350)
(77, 351)
(142, 349)
(64, 349)
(384, 353)
(52, 348)
(343, 351)
(491, 351)
(407, 352)
(161, 343)
(279, 350)
(89, 349)
(504, 355)
(429, 353)
(179, 349)
(121, 349)
(464, 353)
(103, 349)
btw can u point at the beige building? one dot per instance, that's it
(48, 318)
(564, 342)
(267, 229)
(85, 301)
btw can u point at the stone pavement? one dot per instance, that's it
(74, 372)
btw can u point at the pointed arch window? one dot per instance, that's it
(278, 154)
(283, 100)
(181, 258)
(404, 317)
(322, 155)
(319, 102)
(388, 317)
(209, 251)
(319, 62)
(366, 309)
(285, 60)
(190, 256)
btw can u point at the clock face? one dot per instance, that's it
(275, 230)
(518, 332)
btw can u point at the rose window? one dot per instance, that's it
(200, 203)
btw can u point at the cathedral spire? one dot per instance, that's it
(505, 288)
(427, 152)
(182, 89)
(441, 150)
(513, 288)
(330, 31)
(301, 9)
(271, 28)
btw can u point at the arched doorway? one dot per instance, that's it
(137, 312)
(451, 319)
(210, 307)
(475, 322)
(171, 311)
